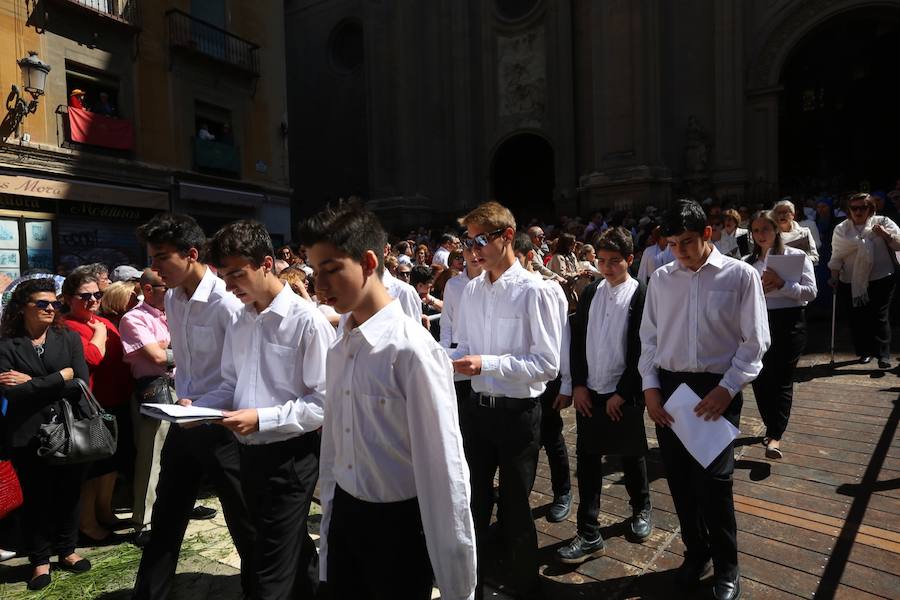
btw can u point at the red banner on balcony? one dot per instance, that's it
(100, 130)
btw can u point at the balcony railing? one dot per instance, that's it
(219, 157)
(192, 34)
(123, 11)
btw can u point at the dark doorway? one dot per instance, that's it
(839, 124)
(522, 176)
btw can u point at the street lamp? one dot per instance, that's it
(34, 74)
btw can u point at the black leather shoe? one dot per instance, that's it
(865, 360)
(80, 566)
(39, 582)
(579, 550)
(883, 364)
(203, 513)
(692, 571)
(640, 526)
(727, 588)
(141, 538)
(560, 509)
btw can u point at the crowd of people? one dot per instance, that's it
(401, 376)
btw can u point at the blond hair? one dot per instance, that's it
(296, 278)
(116, 298)
(490, 215)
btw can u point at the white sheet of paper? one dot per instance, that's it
(788, 266)
(705, 440)
(175, 413)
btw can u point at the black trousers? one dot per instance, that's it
(507, 439)
(398, 569)
(774, 387)
(188, 455)
(278, 481)
(589, 462)
(869, 324)
(703, 498)
(50, 511)
(553, 442)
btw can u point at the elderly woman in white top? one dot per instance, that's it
(793, 234)
(862, 272)
(786, 296)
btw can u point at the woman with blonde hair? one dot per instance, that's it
(117, 300)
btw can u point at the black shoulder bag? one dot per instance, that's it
(69, 440)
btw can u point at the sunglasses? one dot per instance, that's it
(863, 208)
(482, 239)
(87, 296)
(45, 304)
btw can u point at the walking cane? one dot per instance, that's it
(833, 321)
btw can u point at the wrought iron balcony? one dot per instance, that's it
(126, 12)
(217, 157)
(190, 34)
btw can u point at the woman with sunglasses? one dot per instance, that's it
(110, 381)
(862, 273)
(38, 362)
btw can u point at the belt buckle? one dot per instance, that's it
(491, 401)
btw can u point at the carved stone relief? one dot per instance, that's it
(522, 73)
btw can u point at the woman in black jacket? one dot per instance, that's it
(38, 363)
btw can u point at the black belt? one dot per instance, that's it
(488, 401)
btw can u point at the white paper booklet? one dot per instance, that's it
(175, 413)
(705, 440)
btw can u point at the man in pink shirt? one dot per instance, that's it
(145, 338)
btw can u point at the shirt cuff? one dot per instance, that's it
(565, 387)
(729, 387)
(489, 363)
(268, 417)
(650, 380)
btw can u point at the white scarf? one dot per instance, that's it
(848, 243)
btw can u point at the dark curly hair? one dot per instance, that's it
(178, 230)
(12, 324)
(247, 239)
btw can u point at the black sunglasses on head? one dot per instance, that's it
(87, 296)
(482, 239)
(45, 304)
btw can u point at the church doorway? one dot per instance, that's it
(523, 176)
(839, 125)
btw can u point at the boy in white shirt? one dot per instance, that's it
(273, 387)
(510, 334)
(394, 481)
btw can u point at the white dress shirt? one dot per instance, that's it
(607, 334)
(553, 286)
(453, 290)
(440, 257)
(274, 361)
(514, 325)
(793, 293)
(648, 262)
(391, 433)
(405, 293)
(197, 326)
(712, 320)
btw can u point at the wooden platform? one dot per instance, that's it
(824, 522)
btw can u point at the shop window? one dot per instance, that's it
(214, 147)
(26, 246)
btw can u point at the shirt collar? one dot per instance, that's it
(204, 289)
(377, 325)
(281, 303)
(715, 259)
(142, 305)
(507, 276)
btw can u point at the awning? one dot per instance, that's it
(219, 195)
(83, 191)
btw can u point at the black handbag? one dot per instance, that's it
(70, 440)
(156, 390)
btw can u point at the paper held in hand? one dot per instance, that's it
(705, 440)
(175, 413)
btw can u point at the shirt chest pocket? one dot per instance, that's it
(377, 418)
(721, 305)
(509, 335)
(278, 363)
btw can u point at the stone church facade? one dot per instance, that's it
(556, 107)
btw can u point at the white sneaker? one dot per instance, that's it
(6, 554)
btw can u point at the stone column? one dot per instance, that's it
(762, 126)
(728, 162)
